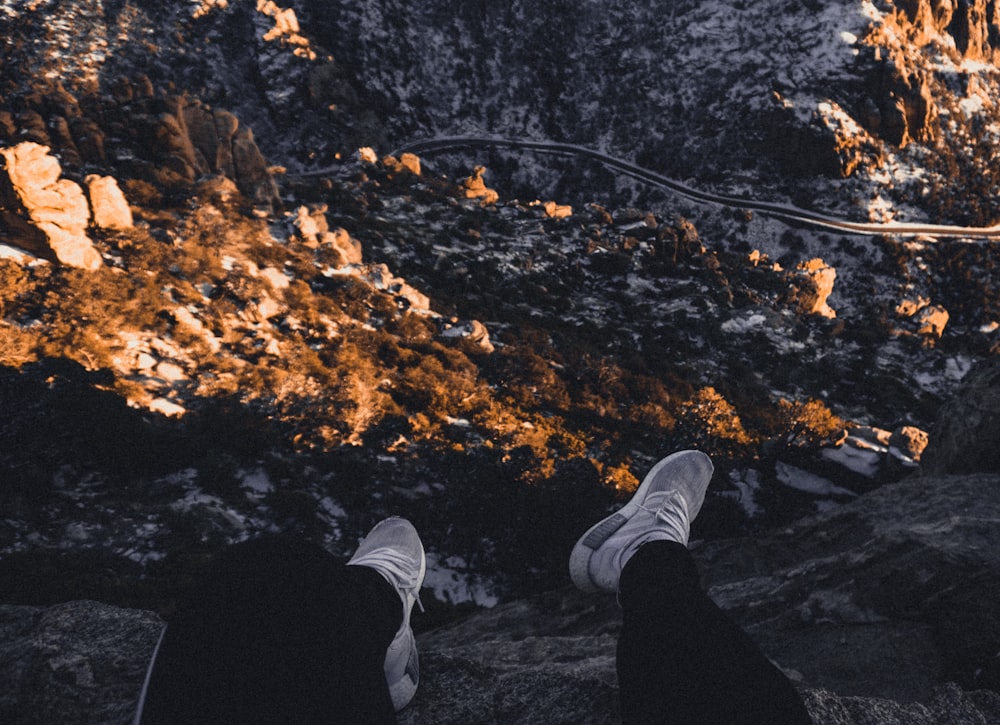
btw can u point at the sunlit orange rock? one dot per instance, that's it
(932, 320)
(108, 205)
(475, 188)
(813, 284)
(42, 212)
(557, 211)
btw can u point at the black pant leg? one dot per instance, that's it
(277, 631)
(682, 660)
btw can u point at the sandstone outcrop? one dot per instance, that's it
(475, 187)
(554, 210)
(44, 213)
(169, 140)
(812, 284)
(108, 205)
(310, 225)
(975, 26)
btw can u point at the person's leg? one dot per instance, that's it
(683, 660)
(680, 658)
(277, 631)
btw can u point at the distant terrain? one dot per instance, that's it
(219, 318)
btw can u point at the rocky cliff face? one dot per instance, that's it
(870, 610)
(246, 346)
(875, 610)
(856, 97)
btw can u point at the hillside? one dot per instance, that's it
(227, 308)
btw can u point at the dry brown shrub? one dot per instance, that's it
(709, 421)
(808, 424)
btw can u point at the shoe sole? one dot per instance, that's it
(596, 535)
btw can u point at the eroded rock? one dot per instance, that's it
(812, 285)
(108, 205)
(44, 213)
(966, 436)
(475, 187)
(875, 609)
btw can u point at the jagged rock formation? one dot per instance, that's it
(167, 139)
(475, 187)
(966, 437)
(811, 287)
(870, 608)
(41, 211)
(108, 206)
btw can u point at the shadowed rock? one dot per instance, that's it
(873, 609)
(966, 436)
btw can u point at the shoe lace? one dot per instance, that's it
(671, 510)
(671, 500)
(402, 570)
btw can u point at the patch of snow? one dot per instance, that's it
(972, 105)
(451, 581)
(864, 461)
(18, 255)
(955, 368)
(331, 508)
(257, 484)
(800, 480)
(747, 483)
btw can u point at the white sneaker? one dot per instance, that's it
(393, 549)
(663, 507)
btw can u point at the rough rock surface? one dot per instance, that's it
(873, 609)
(811, 287)
(108, 205)
(966, 437)
(475, 187)
(77, 662)
(43, 212)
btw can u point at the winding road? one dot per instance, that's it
(780, 211)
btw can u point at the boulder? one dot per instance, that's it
(253, 177)
(927, 18)
(557, 211)
(931, 321)
(308, 223)
(966, 435)
(812, 284)
(44, 213)
(347, 249)
(472, 330)
(411, 162)
(909, 442)
(108, 205)
(475, 187)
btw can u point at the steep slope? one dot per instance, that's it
(282, 333)
(869, 609)
(268, 349)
